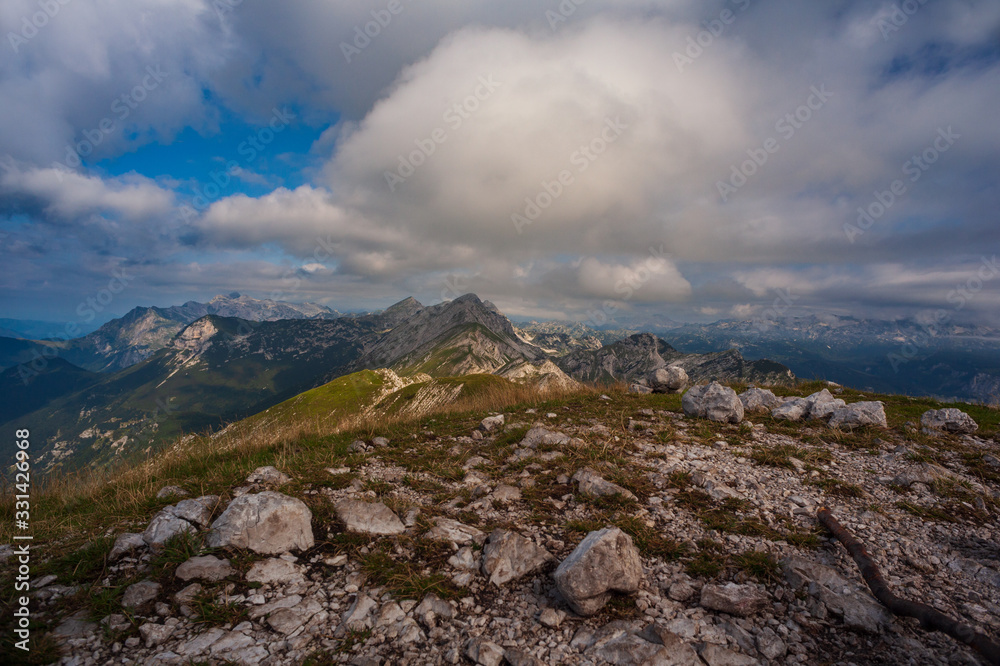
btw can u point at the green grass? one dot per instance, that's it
(780, 456)
(839, 488)
(407, 580)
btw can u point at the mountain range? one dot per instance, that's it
(907, 356)
(153, 376)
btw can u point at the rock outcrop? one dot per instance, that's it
(714, 402)
(268, 523)
(949, 420)
(606, 561)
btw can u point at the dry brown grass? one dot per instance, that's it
(74, 504)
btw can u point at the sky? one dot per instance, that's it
(565, 159)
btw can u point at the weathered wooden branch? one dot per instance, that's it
(930, 618)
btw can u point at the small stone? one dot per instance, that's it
(155, 634)
(125, 544)
(431, 609)
(275, 570)
(268, 476)
(492, 423)
(484, 653)
(742, 600)
(446, 529)
(551, 618)
(188, 594)
(508, 556)
(506, 494)
(207, 567)
(681, 591)
(171, 491)
(139, 594)
(592, 483)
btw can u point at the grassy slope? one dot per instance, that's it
(448, 354)
(71, 518)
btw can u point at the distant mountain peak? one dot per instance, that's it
(407, 303)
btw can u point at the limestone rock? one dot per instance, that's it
(671, 379)
(822, 404)
(359, 616)
(506, 494)
(446, 529)
(207, 567)
(167, 492)
(508, 556)
(125, 544)
(714, 402)
(715, 655)
(859, 414)
(677, 652)
(925, 473)
(606, 561)
(368, 517)
(268, 523)
(196, 511)
(275, 570)
(163, 527)
(155, 634)
(742, 600)
(484, 652)
(75, 626)
(759, 401)
(852, 602)
(791, 410)
(431, 609)
(139, 594)
(949, 420)
(492, 423)
(592, 483)
(268, 476)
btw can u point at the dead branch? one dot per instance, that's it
(930, 618)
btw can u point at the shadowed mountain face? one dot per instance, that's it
(218, 369)
(142, 332)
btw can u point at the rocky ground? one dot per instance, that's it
(596, 533)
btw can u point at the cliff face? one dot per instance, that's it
(458, 337)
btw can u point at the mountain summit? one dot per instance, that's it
(216, 369)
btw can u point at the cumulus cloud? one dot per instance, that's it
(493, 145)
(68, 195)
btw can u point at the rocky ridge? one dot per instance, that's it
(567, 537)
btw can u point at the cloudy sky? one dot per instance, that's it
(694, 159)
